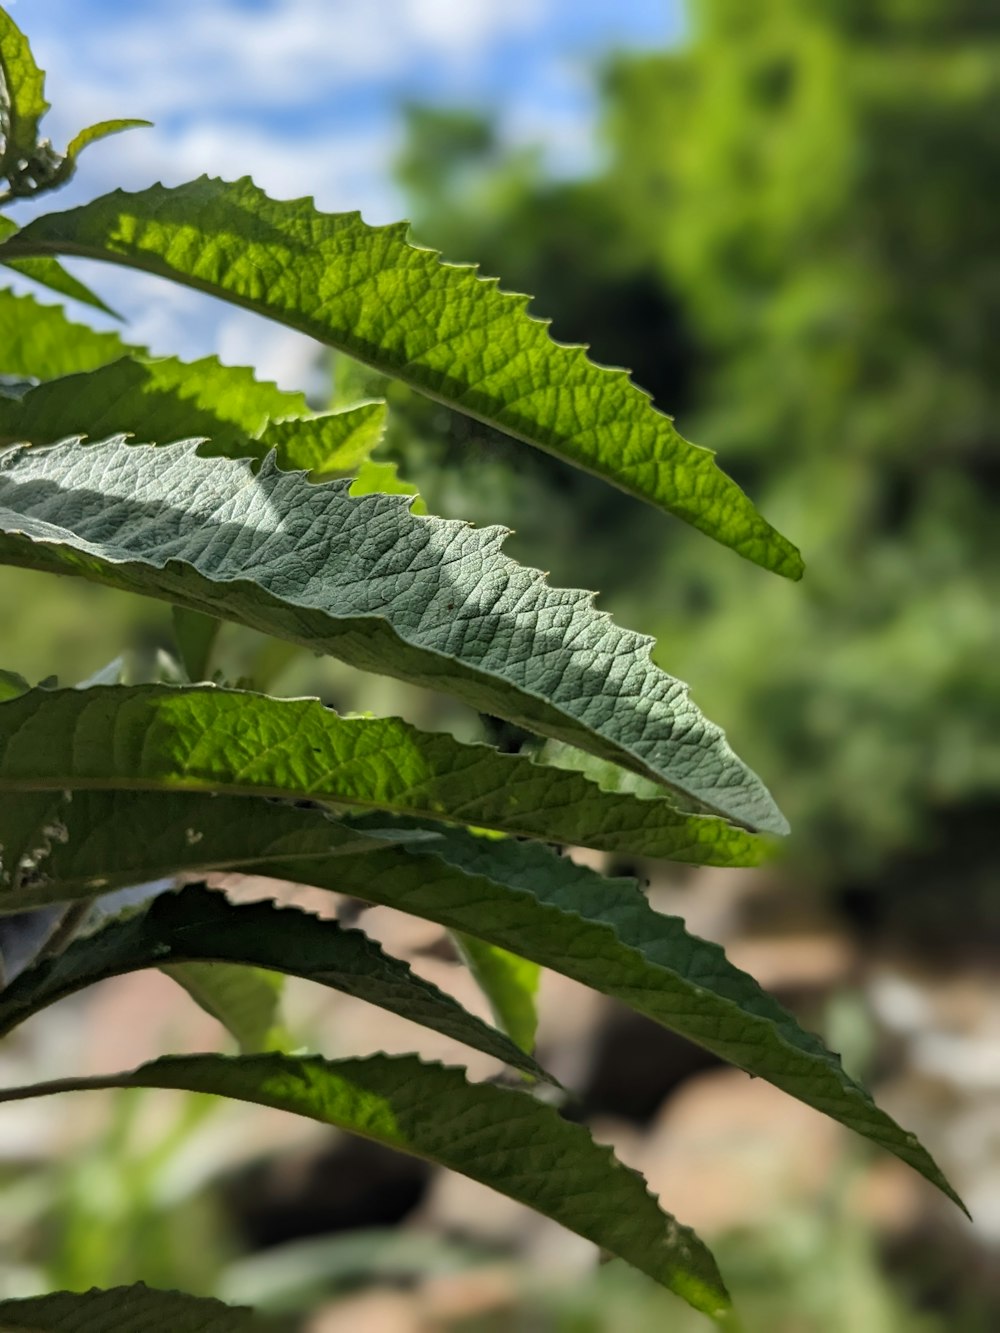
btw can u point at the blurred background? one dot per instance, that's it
(781, 216)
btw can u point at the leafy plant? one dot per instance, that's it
(240, 504)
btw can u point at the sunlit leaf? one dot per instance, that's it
(510, 984)
(50, 273)
(23, 94)
(441, 328)
(84, 138)
(234, 741)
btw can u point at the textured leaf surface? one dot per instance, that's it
(138, 1309)
(503, 1139)
(211, 739)
(332, 443)
(50, 273)
(441, 328)
(510, 984)
(428, 600)
(96, 384)
(178, 401)
(41, 341)
(513, 895)
(23, 93)
(201, 927)
(245, 1000)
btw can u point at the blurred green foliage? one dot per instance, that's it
(791, 243)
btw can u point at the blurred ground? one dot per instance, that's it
(806, 1221)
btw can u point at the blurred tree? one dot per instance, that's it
(792, 247)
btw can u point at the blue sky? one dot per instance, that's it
(304, 95)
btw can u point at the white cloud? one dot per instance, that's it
(169, 59)
(344, 170)
(461, 31)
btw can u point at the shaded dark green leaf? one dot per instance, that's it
(199, 926)
(502, 1138)
(138, 1309)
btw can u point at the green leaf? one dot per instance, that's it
(180, 400)
(245, 1000)
(510, 984)
(95, 384)
(58, 846)
(334, 443)
(11, 685)
(375, 478)
(84, 138)
(200, 927)
(604, 934)
(138, 1309)
(428, 600)
(42, 342)
(50, 273)
(513, 895)
(501, 1138)
(23, 94)
(211, 739)
(441, 328)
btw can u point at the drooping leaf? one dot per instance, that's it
(22, 95)
(441, 328)
(502, 1138)
(211, 739)
(138, 1309)
(603, 933)
(245, 1000)
(514, 895)
(41, 342)
(510, 984)
(50, 273)
(428, 600)
(199, 927)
